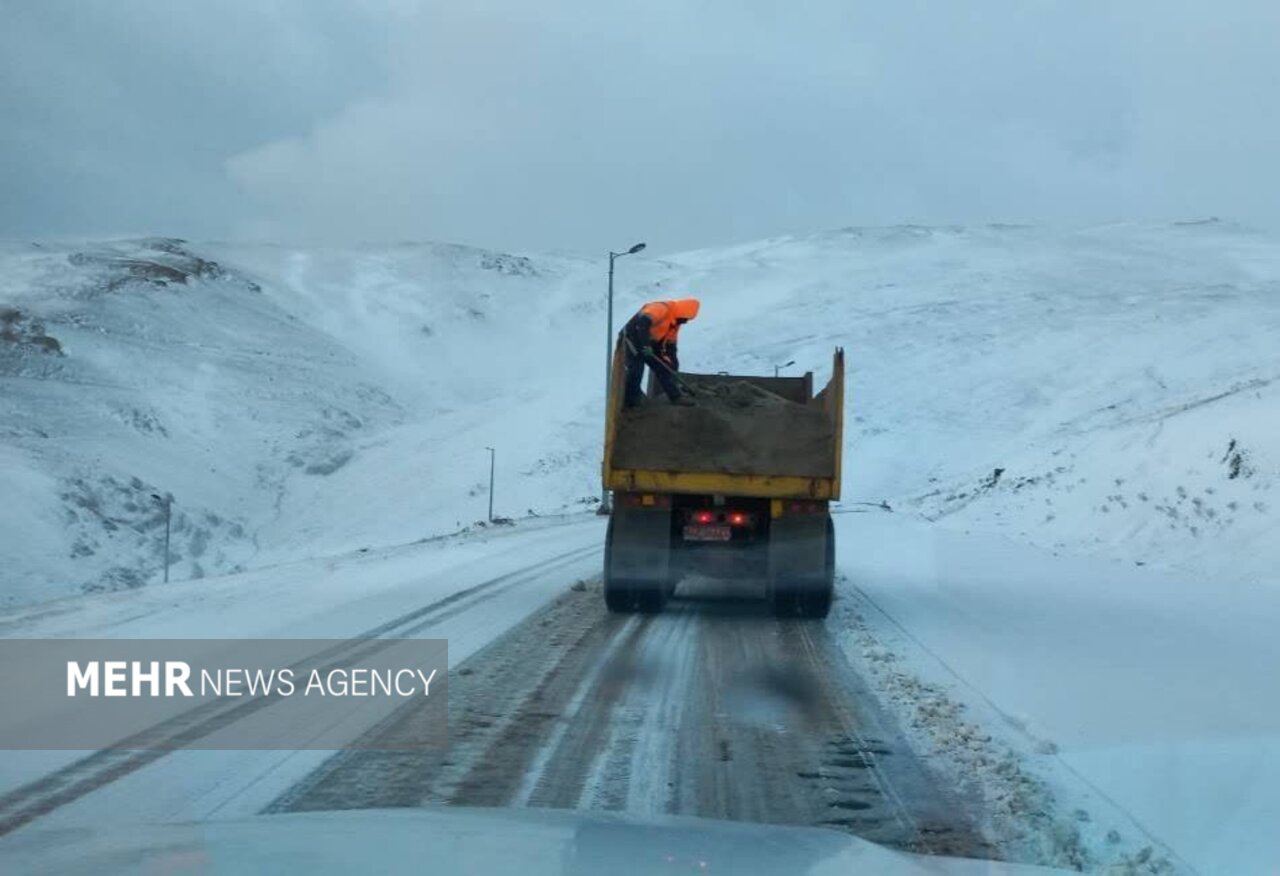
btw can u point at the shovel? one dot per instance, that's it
(665, 367)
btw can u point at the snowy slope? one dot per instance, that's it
(171, 374)
(1070, 360)
(243, 397)
(294, 403)
(1121, 378)
(482, 349)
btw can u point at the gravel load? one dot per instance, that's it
(733, 427)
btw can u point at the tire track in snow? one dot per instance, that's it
(632, 771)
(555, 649)
(76, 780)
(714, 708)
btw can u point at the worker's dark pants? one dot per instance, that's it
(635, 375)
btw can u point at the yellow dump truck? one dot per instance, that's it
(736, 486)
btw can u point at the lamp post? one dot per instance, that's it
(492, 455)
(777, 368)
(167, 502)
(608, 350)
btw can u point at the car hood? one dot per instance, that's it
(457, 840)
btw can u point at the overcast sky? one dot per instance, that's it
(588, 125)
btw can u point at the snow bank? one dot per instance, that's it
(1108, 714)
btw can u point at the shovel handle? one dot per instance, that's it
(665, 366)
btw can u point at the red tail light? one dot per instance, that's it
(704, 517)
(737, 518)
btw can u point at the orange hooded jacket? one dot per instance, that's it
(666, 317)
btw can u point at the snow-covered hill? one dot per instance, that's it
(1107, 390)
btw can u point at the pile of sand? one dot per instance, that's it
(733, 427)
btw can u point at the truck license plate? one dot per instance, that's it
(706, 533)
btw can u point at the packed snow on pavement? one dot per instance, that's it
(325, 597)
(1057, 550)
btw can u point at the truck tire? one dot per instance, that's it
(617, 596)
(626, 597)
(802, 568)
(816, 600)
(806, 599)
(637, 558)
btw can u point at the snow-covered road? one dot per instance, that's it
(966, 690)
(468, 590)
(713, 708)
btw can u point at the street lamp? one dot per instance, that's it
(777, 368)
(492, 455)
(167, 501)
(608, 350)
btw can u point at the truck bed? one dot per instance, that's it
(735, 427)
(744, 435)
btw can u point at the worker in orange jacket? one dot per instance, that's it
(652, 334)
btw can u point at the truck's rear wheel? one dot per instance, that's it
(807, 599)
(617, 596)
(627, 596)
(815, 603)
(802, 567)
(817, 600)
(637, 559)
(623, 598)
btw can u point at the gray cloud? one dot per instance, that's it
(583, 125)
(120, 115)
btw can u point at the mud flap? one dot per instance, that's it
(802, 565)
(637, 559)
